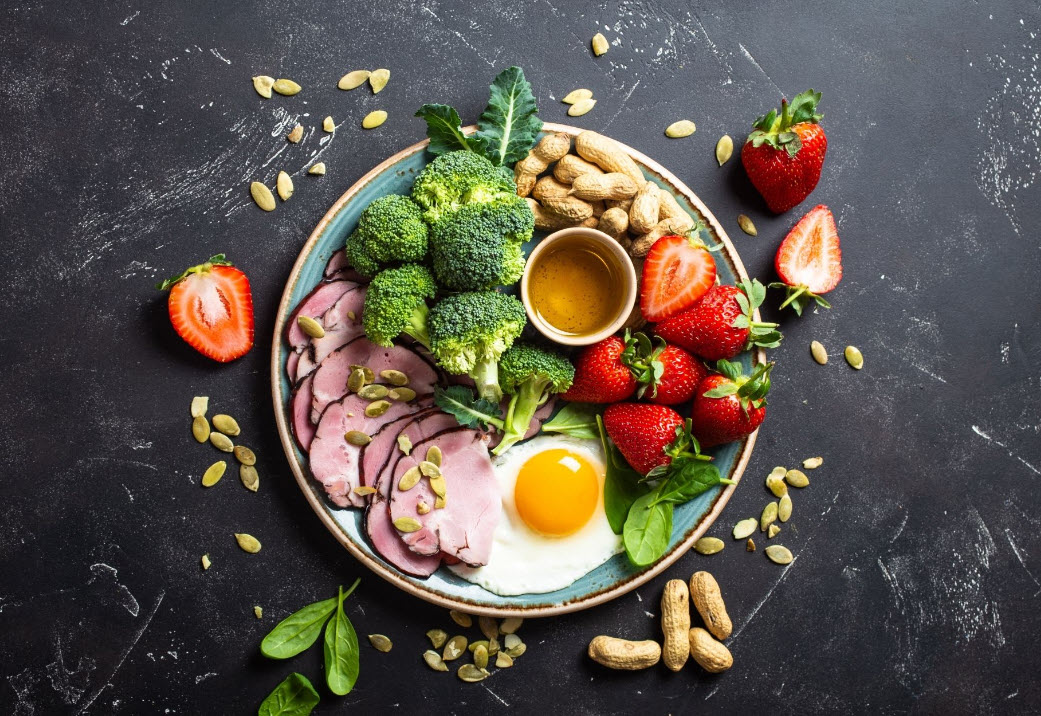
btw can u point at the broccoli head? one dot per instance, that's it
(396, 303)
(357, 255)
(479, 246)
(530, 374)
(390, 230)
(459, 178)
(469, 331)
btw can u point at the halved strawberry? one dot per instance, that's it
(211, 308)
(677, 272)
(809, 260)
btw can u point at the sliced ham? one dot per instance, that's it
(300, 414)
(292, 361)
(377, 455)
(340, 329)
(337, 263)
(320, 300)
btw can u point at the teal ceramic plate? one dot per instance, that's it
(611, 579)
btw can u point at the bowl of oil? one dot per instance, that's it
(579, 286)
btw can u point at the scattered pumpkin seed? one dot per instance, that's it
(796, 478)
(461, 618)
(250, 477)
(772, 531)
(493, 647)
(258, 612)
(503, 660)
(488, 627)
(810, 463)
(410, 479)
(819, 353)
(454, 648)
(680, 129)
(745, 527)
(513, 645)
(262, 195)
(328, 124)
(199, 406)
(422, 508)
(284, 186)
(394, 377)
(434, 455)
(439, 503)
(402, 395)
(581, 107)
(364, 490)
(222, 442)
(369, 376)
(206, 562)
(244, 455)
(357, 437)
(471, 673)
(429, 469)
(784, 508)
(510, 625)
(373, 391)
(378, 80)
(248, 543)
(481, 657)
(353, 79)
(317, 169)
(296, 134)
(404, 444)
(374, 119)
(769, 516)
(438, 485)
(226, 424)
(286, 87)
(263, 84)
(775, 483)
(577, 95)
(854, 357)
(407, 524)
(599, 44)
(750, 545)
(779, 554)
(746, 225)
(377, 408)
(356, 381)
(708, 545)
(724, 149)
(437, 637)
(201, 429)
(434, 660)
(381, 643)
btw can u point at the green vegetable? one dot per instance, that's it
(341, 651)
(471, 412)
(530, 374)
(395, 303)
(622, 485)
(688, 479)
(647, 529)
(578, 420)
(469, 331)
(452, 180)
(510, 123)
(445, 130)
(390, 230)
(293, 697)
(297, 631)
(357, 255)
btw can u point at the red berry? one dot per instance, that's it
(642, 432)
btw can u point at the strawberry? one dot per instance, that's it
(809, 260)
(211, 308)
(643, 433)
(600, 374)
(677, 272)
(722, 323)
(729, 405)
(784, 153)
(681, 372)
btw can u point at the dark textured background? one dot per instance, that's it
(129, 133)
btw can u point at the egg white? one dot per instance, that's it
(524, 561)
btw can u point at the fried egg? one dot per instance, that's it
(554, 529)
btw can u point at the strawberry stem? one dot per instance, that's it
(215, 260)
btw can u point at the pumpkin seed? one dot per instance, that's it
(222, 442)
(472, 674)
(819, 353)
(248, 543)
(374, 119)
(284, 186)
(199, 406)
(810, 463)
(377, 408)
(724, 149)
(353, 79)
(745, 527)
(769, 516)
(410, 479)
(226, 424)
(310, 326)
(370, 377)
(429, 469)
(263, 196)
(434, 660)
(750, 545)
(779, 554)
(510, 625)
(708, 545)
(205, 562)
(437, 637)
(263, 84)
(680, 129)
(357, 437)
(481, 657)
(454, 648)
(402, 395)
(364, 490)
(772, 531)
(404, 444)
(201, 429)
(854, 357)
(513, 645)
(488, 627)
(493, 647)
(352, 315)
(356, 381)
(599, 44)
(394, 377)
(746, 225)
(407, 524)
(378, 80)
(503, 660)
(381, 643)
(258, 612)
(422, 508)
(784, 508)
(286, 87)
(244, 455)
(250, 477)
(374, 391)
(797, 478)
(581, 107)
(434, 455)
(296, 134)
(328, 124)
(461, 618)
(439, 503)
(776, 484)
(577, 95)
(317, 169)
(438, 485)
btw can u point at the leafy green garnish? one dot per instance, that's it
(578, 420)
(471, 412)
(215, 260)
(293, 697)
(298, 631)
(622, 485)
(510, 123)
(688, 479)
(647, 529)
(445, 130)
(341, 651)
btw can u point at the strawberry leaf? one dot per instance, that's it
(215, 260)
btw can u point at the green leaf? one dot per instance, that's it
(298, 631)
(215, 260)
(804, 107)
(471, 412)
(341, 651)
(647, 530)
(622, 484)
(689, 479)
(293, 697)
(444, 129)
(722, 391)
(509, 124)
(577, 420)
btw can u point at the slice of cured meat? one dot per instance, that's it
(387, 540)
(320, 300)
(340, 329)
(337, 264)
(300, 414)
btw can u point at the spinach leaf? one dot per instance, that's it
(622, 484)
(575, 419)
(293, 697)
(444, 128)
(297, 631)
(647, 529)
(459, 402)
(341, 651)
(689, 479)
(509, 124)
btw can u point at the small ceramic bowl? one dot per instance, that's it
(610, 248)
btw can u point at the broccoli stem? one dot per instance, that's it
(417, 325)
(486, 376)
(529, 396)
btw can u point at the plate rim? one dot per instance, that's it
(393, 576)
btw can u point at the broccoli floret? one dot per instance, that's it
(358, 257)
(479, 246)
(530, 374)
(469, 331)
(396, 303)
(459, 178)
(394, 230)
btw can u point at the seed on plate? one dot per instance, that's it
(381, 643)
(503, 660)
(353, 79)
(262, 195)
(434, 660)
(328, 124)
(434, 455)
(250, 477)
(244, 455)
(481, 656)
(438, 485)
(352, 315)
(812, 463)
(750, 545)
(248, 543)
(201, 429)
(437, 637)
(226, 424)
(422, 508)
(769, 516)
(439, 503)
(510, 625)
(746, 225)
(317, 169)
(772, 531)
(286, 87)
(775, 483)
(599, 44)
(724, 149)
(819, 353)
(199, 406)
(581, 107)
(488, 627)
(576, 96)
(708, 545)
(779, 554)
(379, 79)
(258, 612)
(784, 508)
(357, 437)
(429, 469)
(402, 395)
(377, 408)
(374, 391)
(370, 377)
(461, 618)
(410, 479)
(356, 381)
(680, 129)
(854, 357)
(471, 673)
(310, 326)
(796, 478)
(263, 84)
(296, 134)
(205, 561)
(745, 527)
(394, 377)
(374, 119)
(284, 186)
(364, 490)
(222, 442)
(454, 648)
(404, 444)
(407, 524)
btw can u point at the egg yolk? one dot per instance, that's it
(557, 492)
